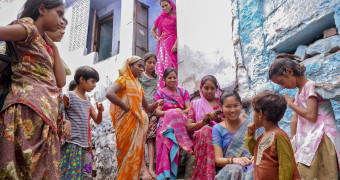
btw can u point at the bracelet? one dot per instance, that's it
(232, 159)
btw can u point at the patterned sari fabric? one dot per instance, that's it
(167, 30)
(171, 133)
(129, 126)
(235, 147)
(28, 121)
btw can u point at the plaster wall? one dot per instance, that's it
(205, 43)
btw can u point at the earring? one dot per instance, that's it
(260, 118)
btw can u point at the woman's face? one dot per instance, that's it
(58, 35)
(150, 64)
(171, 80)
(166, 7)
(137, 68)
(231, 108)
(208, 90)
(52, 18)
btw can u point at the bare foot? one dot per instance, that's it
(146, 175)
(153, 174)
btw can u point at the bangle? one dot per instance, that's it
(232, 159)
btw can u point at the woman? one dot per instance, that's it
(230, 151)
(167, 38)
(203, 112)
(127, 97)
(171, 132)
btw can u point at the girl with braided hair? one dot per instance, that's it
(314, 133)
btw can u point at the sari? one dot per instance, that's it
(167, 30)
(236, 147)
(171, 133)
(203, 145)
(129, 125)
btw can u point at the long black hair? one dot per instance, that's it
(31, 7)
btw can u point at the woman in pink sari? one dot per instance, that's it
(166, 51)
(203, 115)
(171, 133)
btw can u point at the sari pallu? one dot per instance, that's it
(171, 134)
(129, 125)
(237, 148)
(167, 30)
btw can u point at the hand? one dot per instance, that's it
(213, 116)
(206, 118)
(100, 107)
(67, 129)
(289, 100)
(244, 161)
(89, 149)
(126, 107)
(251, 129)
(174, 48)
(49, 41)
(179, 111)
(160, 102)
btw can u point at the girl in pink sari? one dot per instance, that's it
(201, 119)
(171, 133)
(167, 39)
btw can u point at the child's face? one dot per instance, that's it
(208, 90)
(287, 81)
(58, 35)
(231, 108)
(52, 18)
(171, 80)
(150, 64)
(88, 85)
(137, 68)
(256, 119)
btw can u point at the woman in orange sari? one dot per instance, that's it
(130, 122)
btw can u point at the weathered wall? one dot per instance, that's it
(205, 43)
(262, 29)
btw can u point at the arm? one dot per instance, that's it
(113, 98)
(250, 139)
(59, 70)
(192, 126)
(285, 156)
(150, 107)
(220, 161)
(293, 125)
(311, 113)
(14, 32)
(187, 107)
(160, 112)
(97, 117)
(154, 33)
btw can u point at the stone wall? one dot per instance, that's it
(262, 29)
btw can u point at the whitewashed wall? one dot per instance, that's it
(205, 43)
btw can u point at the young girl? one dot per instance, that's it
(273, 153)
(230, 151)
(78, 111)
(315, 136)
(28, 120)
(149, 80)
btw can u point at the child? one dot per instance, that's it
(28, 120)
(273, 153)
(149, 80)
(78, 111)
(315, 136)
(64, 126)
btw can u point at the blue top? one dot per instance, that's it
(221, 137)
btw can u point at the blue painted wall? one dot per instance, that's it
(257, 56)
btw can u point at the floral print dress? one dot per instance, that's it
(28, 121)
